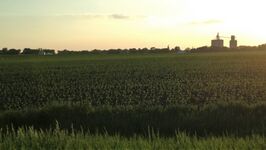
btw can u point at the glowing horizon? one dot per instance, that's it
(102, 24)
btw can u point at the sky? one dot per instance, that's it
(106, 24)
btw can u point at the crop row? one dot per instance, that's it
(127, 80)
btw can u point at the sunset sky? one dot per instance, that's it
(104, 24)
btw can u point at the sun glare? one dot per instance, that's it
(178, 20)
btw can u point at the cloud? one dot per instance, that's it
(101, 16)
(86, 16)
(119, 16)
(206, 22)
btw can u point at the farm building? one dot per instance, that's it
(217, 43)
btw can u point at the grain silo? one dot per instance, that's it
(233, 42)
(218, 42)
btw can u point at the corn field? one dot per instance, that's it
(132, 80)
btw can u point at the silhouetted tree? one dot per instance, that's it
(176, 49)
(262, 47)
(4, 50)
(14, 52)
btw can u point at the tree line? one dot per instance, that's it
(27, 51)
(177, 49)
(122, 51)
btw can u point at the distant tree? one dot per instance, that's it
(145, 49)
(28, 51)
(96, 51)
(4, 50)
(133, 50)
(14, 52)
(262, 47)
(176, 49)
(187, 49)
(153, 49)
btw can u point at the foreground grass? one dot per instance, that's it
(61, 139)
(221, 119)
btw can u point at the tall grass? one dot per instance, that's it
(29, 138)
(220, 119)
